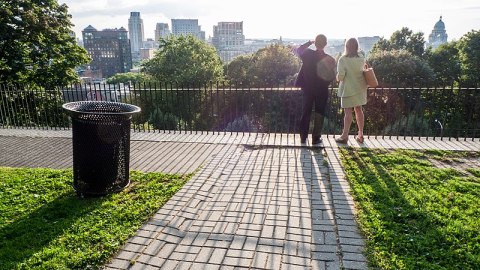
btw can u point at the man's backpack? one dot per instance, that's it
(327, 68)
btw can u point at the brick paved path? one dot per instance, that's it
(265, 208)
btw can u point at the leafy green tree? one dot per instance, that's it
(445, 63)
(469, 54)
(185, 60)
(239, 71)
(271, 66)
(274, 65)
(35, 45)
(403, 39)
(381, 45)
(128, 77)
(401, 69)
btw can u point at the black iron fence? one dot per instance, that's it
(407, 112)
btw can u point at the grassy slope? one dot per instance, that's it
(44, 225)
(414, 215)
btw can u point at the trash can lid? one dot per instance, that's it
(101, 107)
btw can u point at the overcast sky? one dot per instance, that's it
(288, 19)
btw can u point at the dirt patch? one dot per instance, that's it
(461, 164)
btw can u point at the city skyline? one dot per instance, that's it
(271, 19)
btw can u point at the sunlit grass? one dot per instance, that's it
(44, 225)
(414, 215)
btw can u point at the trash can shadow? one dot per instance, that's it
(101, 146)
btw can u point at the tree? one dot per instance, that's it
(268, 67)
(128, 77)
(274, 65)
(381, 45)
(445, 63)
(35, 45)
(401, 69)
(185, 60)
(239, 72)
(403, 39)
(469, 55)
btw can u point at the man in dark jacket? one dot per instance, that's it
(317, 72)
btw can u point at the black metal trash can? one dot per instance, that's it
(101, 145)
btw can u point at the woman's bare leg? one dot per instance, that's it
(360, 117)
(347, 122)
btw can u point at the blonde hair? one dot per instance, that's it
(351, 48)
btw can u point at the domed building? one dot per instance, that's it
(438, 35)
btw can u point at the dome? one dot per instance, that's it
(439, 25)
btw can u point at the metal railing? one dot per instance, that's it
(406, 112)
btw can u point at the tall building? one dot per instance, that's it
(229, 40)
(135, 28)
(366, 43)
(161, 31)
(148, 49)
(109, 49)
(187, 27)
(438, 35)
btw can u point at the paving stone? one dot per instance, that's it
(359, 257)
(295, 260)
(352, 241)
(355, 265)
(325, 256)
(218, 255)
(260, 260)
(141, 266)
(119, 264)
(151, 260)
(126, 255)
(353, 249)
(274, 261)
(202, 266)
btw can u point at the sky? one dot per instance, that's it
(299, 19)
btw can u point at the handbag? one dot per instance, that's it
(369, 75)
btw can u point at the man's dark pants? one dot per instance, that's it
(317, 98)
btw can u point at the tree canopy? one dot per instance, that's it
(400, 68)
(35, 44)
(185, 60)
(445, 63)
(128, 77)
(268, 67)
(239, 71)
(403, 59)
(469, 55)
(403, 39)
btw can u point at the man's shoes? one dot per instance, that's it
(359, 139)
(316, 140)
(341, 140)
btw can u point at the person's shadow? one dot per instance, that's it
(315, 172)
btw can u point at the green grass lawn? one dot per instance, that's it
(44, 225)
(413, 214)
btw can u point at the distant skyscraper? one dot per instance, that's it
(187, 27)
(366, 43)
(229, 40)
(135, 28)
(109, 50)
(438, 35)
(161, 31)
